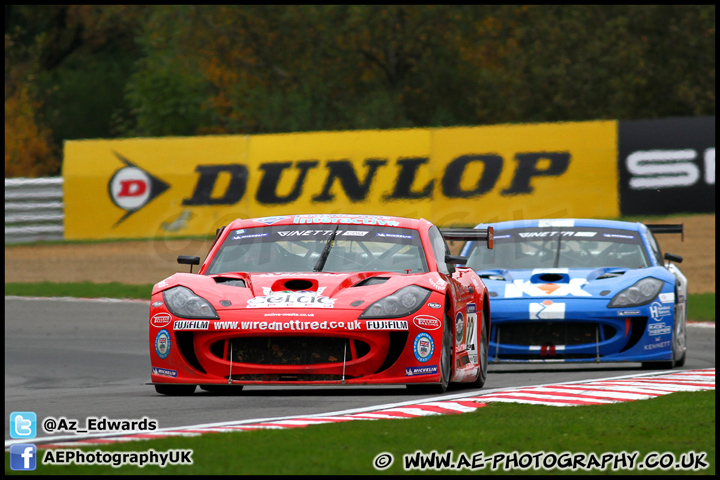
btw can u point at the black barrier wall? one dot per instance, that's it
(666, 166)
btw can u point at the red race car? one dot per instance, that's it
(322, 299)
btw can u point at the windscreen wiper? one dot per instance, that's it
(326, 251)
(557, 253)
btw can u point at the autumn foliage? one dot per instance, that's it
(94, 71)
(28, 143)
(28, 151)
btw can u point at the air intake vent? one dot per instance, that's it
(231, 282)
(611, 275)
(551, 277)
(491, 276)
(371, 281)
(298, 285)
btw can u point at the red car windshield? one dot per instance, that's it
(308, 248)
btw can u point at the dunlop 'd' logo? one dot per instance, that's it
(131, 188)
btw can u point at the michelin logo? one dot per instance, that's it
(414, 371)
(164, 371)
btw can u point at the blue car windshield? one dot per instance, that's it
(567, 247)
(308, 248)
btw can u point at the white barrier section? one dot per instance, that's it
(34, 209)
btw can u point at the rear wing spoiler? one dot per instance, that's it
(668, 228)
(470, 234)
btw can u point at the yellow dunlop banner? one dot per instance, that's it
(140, 188)
(517, 172)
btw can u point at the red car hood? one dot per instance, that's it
(355, 290)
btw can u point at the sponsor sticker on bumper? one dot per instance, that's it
(166, 372)
(191, 325)
(414, 371)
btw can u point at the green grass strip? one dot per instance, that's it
(673, 424)
(701, 306)
(79, 289)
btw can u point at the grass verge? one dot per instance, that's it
(701, 306)
(672, 426)
(79, 290)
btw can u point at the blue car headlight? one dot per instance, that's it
(641, 293)
(182, 302)
(401, 303)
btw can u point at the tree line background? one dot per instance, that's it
(87, 71)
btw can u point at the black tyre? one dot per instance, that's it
(681, 362)
(483, 347)
(680, 344)
(175, 390)
(446, 357)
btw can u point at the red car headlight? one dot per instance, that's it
(399, 304)
(183, 302)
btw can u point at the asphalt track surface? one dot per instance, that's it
(79, 359)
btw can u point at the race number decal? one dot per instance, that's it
(470, 337)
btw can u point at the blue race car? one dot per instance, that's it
(579, 290)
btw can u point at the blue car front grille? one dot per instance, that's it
(566, 339)
(555, 333)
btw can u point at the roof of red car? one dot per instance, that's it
(328, 219)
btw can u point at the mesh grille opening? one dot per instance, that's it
(559, 356)
(292, 350)
(290, 378)
(555, 333)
